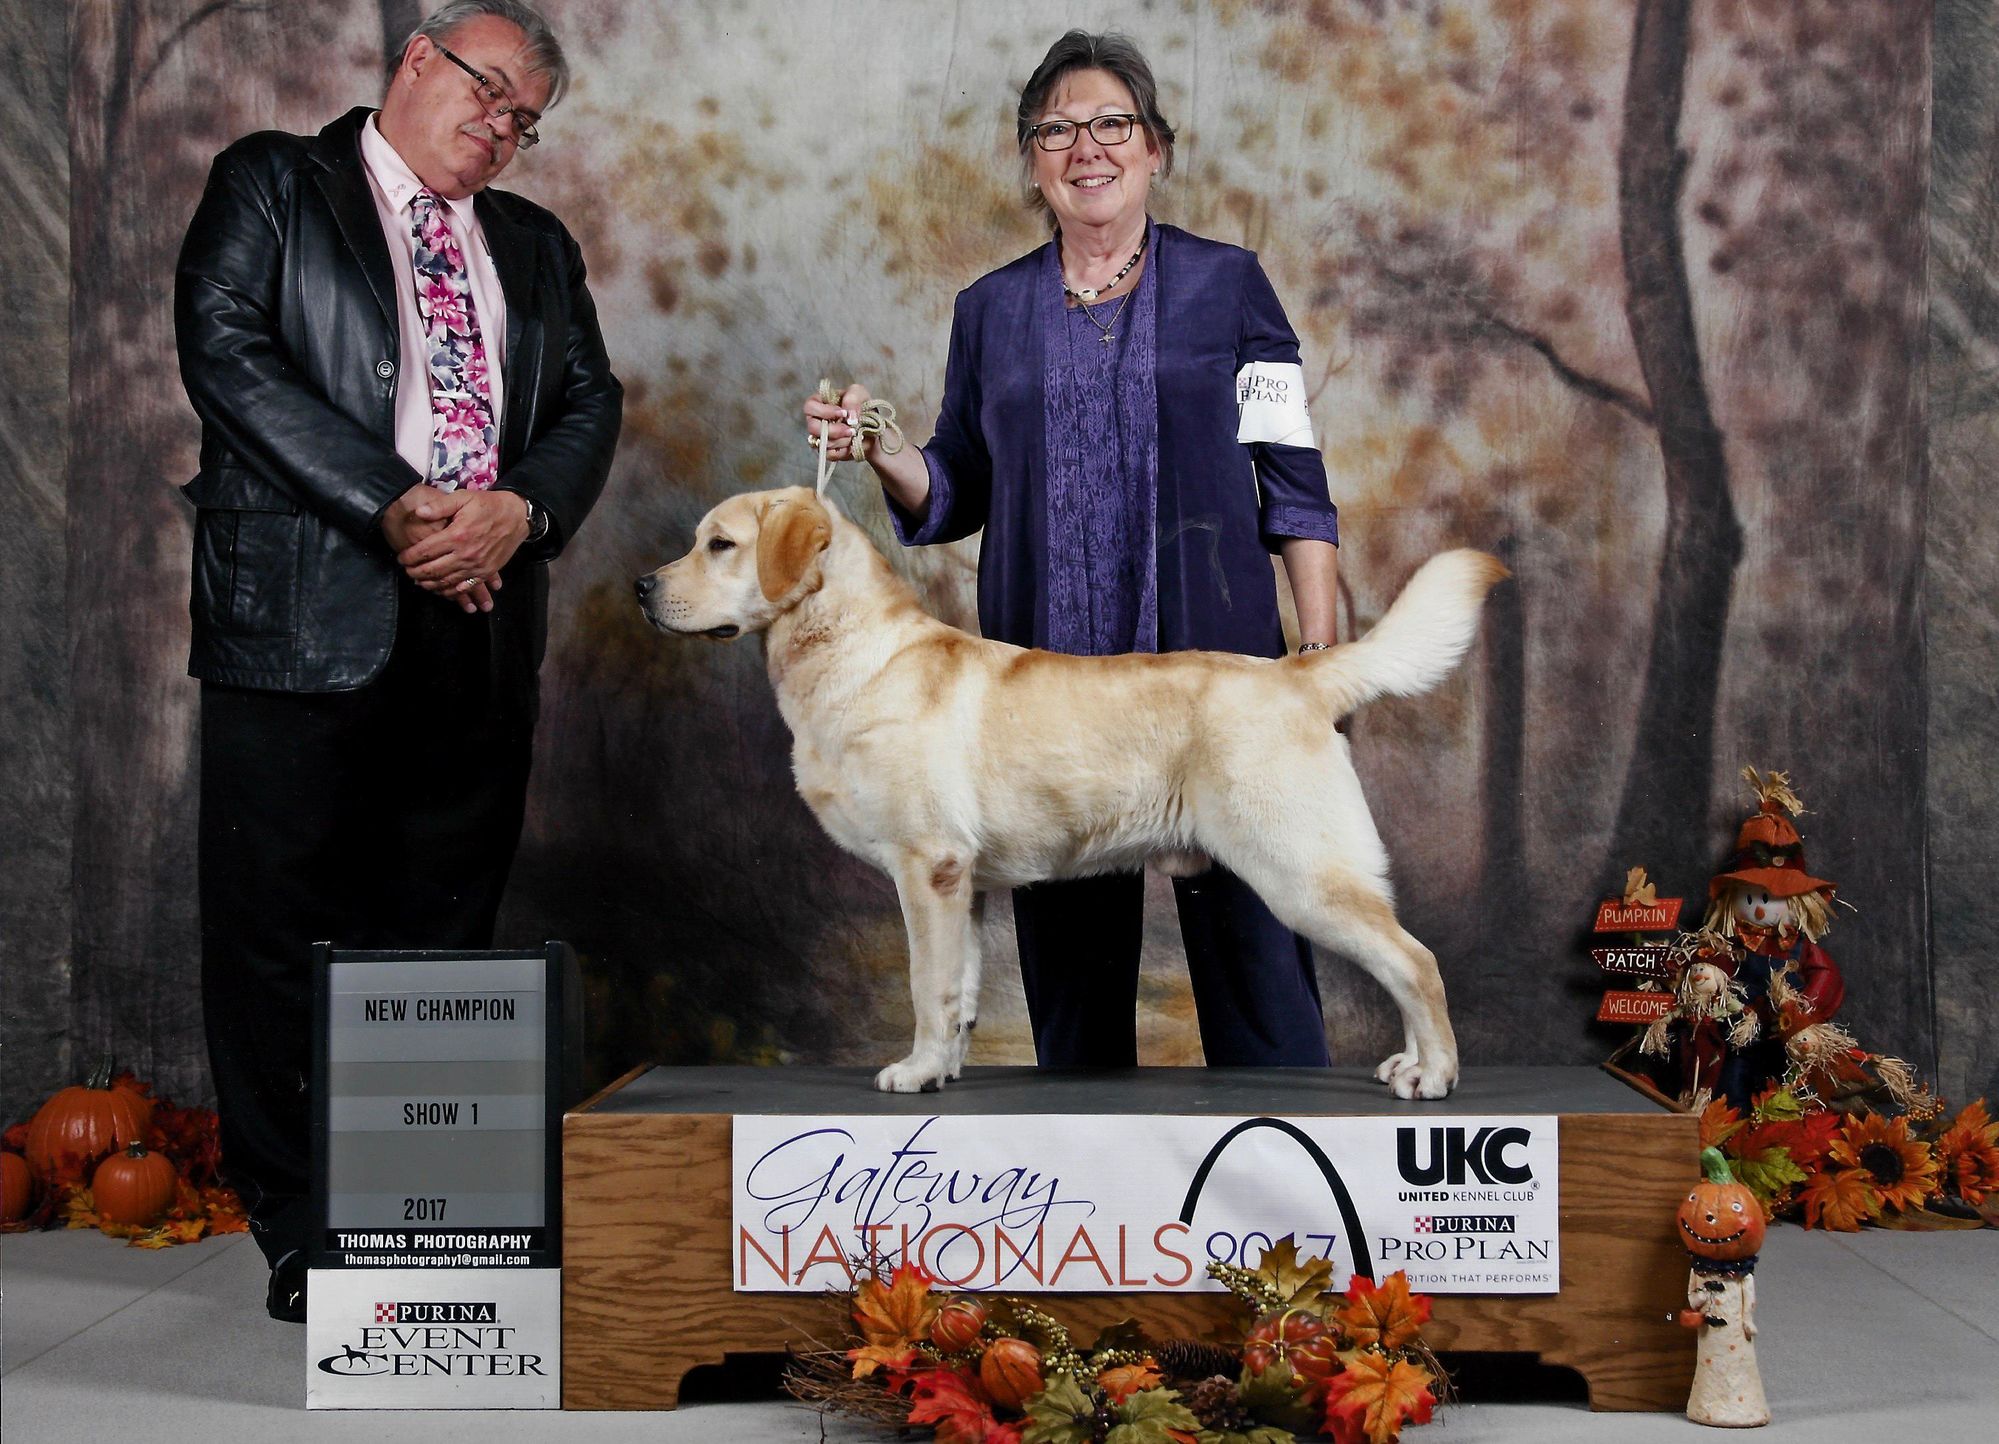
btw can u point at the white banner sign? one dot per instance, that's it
(434, 1338)
(1137, 1202)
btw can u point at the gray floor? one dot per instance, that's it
(1864, 1337)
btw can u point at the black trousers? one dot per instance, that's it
(382, 817)
(1255, 990)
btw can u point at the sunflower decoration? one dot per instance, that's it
(1899, 1167)
(1844, 1171)
(1967, 1155)
(1309, 1361)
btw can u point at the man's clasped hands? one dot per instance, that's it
(455, 542)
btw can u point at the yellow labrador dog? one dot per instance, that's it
(958, 765)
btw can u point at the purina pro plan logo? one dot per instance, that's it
(1473, 1184)
(434, 1338)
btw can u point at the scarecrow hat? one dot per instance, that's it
(1768, 851)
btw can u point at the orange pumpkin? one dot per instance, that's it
(1721, 1218)
(1011, 1372)
(134, 1187)
(958, 1324)
(17, 1188)
(82, 1124)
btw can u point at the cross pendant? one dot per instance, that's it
(1109, 336)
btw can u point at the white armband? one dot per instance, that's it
(1271, 396)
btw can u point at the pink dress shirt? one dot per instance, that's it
(393, 184)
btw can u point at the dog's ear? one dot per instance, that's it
(792, 535)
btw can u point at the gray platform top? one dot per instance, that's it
(1288, 1092)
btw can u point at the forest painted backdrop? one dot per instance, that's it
(1632, 294)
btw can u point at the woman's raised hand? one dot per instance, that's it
(835, 422)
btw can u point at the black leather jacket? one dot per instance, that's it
(285, 313)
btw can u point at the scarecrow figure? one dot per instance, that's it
(1765, 917)
(1721, 1225)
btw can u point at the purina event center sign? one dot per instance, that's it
(1128, 1203)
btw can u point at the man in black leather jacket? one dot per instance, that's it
(368, 638)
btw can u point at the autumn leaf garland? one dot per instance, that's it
(1313, 1362)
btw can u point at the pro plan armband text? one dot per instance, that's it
(1271, 395)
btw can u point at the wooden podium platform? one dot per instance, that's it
(647, 1228)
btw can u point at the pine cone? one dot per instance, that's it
(1215, 1403)
(1196, 1359)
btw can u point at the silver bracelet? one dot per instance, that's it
(1304, 647)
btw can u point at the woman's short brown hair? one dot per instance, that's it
(1117, 56)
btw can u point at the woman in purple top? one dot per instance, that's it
(1124, 417)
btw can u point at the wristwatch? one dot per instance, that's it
(537, 518)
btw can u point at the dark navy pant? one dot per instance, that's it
(1255, 989)
(385, 817)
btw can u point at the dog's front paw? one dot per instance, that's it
(914, 1074)
(1409, 1077)
(1393, 1064)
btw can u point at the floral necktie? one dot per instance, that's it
(463, 439)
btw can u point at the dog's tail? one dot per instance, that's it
(1424, 634)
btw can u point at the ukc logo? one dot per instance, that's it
(1453, 1157)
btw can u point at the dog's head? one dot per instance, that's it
(755, 557)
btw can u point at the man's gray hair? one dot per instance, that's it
(544, 51)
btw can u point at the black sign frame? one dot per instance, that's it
(561, 1061)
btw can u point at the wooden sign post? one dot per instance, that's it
(1639, 912)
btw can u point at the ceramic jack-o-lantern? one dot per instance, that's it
(1721, 1219)
(1721, 1225)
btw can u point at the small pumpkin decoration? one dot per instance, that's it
(1721, 1219)
(17, 1188)
(134, 1187)
(82, 1124)
(1287, 1335)
(1011, 1372)
(958, 1325)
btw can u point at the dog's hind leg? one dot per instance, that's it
(935, 889)
(1348, 913)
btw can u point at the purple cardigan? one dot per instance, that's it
(1222, 506)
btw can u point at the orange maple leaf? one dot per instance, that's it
(895, 1358)
(953, 1401)
(1128, 1379)
(1384, 1315)
(897, 1313)
(1806, 1138)
(1719, 1123)
(1840, 1199)
(1374, 1398)
(173, 1231)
